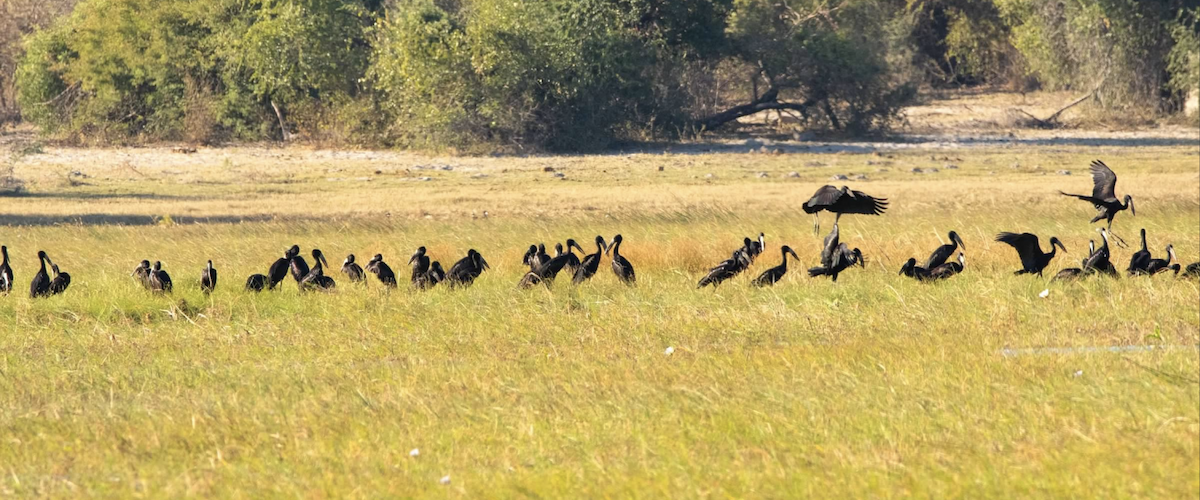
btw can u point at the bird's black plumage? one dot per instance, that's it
(208, 278)
(912, 270)
(1104, 194)
(590, 263)
(142, 273)
(1140, 261)
(842, 201)
(1159, 265)
(1033, 259)
(466, 270)
(1100, 261)
(948, 269)
(60, 282)
(279, 269)
(739, 261)
(1192, 270)
(620, 265)
(352, 270)
(939, 256)
(843, 257)
(316, 278)
(257, 282)
(381, 270)
(160, 281)
(419, 262)
(297, 265)
(40, 286)
(774, 274)
(6, 272)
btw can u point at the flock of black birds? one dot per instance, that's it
(836, 257)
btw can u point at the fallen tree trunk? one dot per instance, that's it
(768, 101)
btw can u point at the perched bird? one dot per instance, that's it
(841, 258)
(6, 273)
(1033, 259)
(60, 282)
(1140, 259)
(774, 274)
(40, 286)
(842, 201)
(316, 279)
(1104, 195)
(257, 282)
(948, 269)
(912, 270)
(160, 281)
(353, 271)
(298, 265)
(208, 278)
(142, 273)
(466, 270)
(279, 269)
(939, 256)
(620, 265)
(382, 270)
(1159, 265)
(420, 267)
(590, 263)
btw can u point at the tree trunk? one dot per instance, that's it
(768, 101)
(287, 136)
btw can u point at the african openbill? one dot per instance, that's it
(774, 274)
(1104, 195)
(316, 279)
(298, 265)
(40, 286)
(208, 278)
(420, 266)
(912, 270)
(842, 201)
(1072, 273)
(256, 282)
(841, 258)
(142, 273)
(939, 256)
(279, 269)
(61, 280)
(620, 265)
(572, 260)
(435, 275)
(1033, 259)
(1140, 259)
(159, 281)
(382, 270)
(829, 248)
(6, 273)
(1100, 259)
(353, 271)
(739, 261)
(948, 269)
(590, 263)
(464, 272)
(1159, 265)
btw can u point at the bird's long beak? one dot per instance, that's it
(484, 263)
(606, 247)
(1132, 210)
(958, 239)
(324, 262)
(413, 258)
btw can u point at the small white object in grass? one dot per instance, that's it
(1044, 293)
(670, 350)
(415, 452)
(445, 479)
(1078, 373)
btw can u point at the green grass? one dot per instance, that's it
(876, 386)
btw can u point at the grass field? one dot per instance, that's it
(876, 386)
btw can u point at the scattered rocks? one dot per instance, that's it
(841, 177)
(447, 167)
(861, 177)
(560, 175)
(932, 170)
(709, 176)
(814, 163)
(793, 175)
(1015, 165)
(479, 176)
(547, 169)
(917, 170)
(1064, 172)
(950, 166)
(660, 168)
(763, 175)
(187, 150)
(881, 170)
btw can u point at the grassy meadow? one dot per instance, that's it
(874, 386)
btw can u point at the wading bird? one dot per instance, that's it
(939, 256)
(316, 279)
(842, 201)
(61, 280)
(620, 265)
(208, 278)
(1140, 259)
(774, 274)
(353, 271)
(590, 263)
(1104, 195)
(298, 265)
(279, 269)
(948, 269)
(1159, 265)
(142, 273)
(40, 286)
(466, 270)
(256, 282)
(381, 270)
(841, 258)
(160, 281)
(6, 273)
(1033, 259)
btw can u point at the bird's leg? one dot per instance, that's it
(816, 224)
(1120, 241)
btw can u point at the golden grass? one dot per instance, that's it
(875, 386)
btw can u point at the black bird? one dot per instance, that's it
(829, 248)
(1100, 259)
(382, 270)
(590, 263)
(842, 201)
(60, 282)
(279, 270)
(1104, 195)
(435, 275)
(256, 282)
(939, 256)
(529, 259)
(160, 281)
(40, 286)
(1192, 270)
(316, 279)
(420, 267)
(1072, 273)
(912, 270)
(948, 269)
(6, 274)
(536, 256)
(1033, 260)
(548, 271)
(739, 261)
(1159, 265)
(464, 272)
(208, 279)
(841, 258)
(142, 273)
(620, 265)
(1140, 260)
(298, 265)
(353, 271)
(572, 260)
(774, 274)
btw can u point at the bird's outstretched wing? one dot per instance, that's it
(859, 202)
(824, 197)
(1027, 247)
(1105, 182)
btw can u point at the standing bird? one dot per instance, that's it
(1072, 273)
(353, 271)
(316, 279)
(298, 265)
(208, 278)
(841, 258)
(620, 265)
(1140, 259)
(435, 275)
(6, 274)
(382, 270)
(142, 273)
(939, 256)
(464, 272)
(1104, 195)
(279, 270)
(739, 261)
(1159, 265)
(420, 267)
(1033, 259)
(829, 248)
(842, 201)
(160, 281)
(572, 260)
(774, 274)
(60, 282)
(912, 270)
(256, 282)
(590, 263)
(948, 269)
(1099, 261)
(40, 286)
